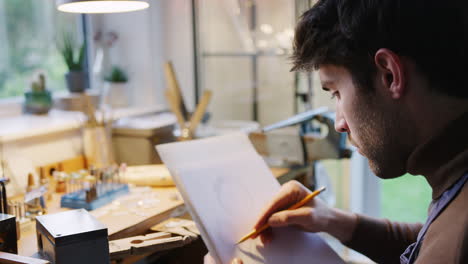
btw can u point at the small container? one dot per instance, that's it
(134, 138)
(8, 234)
(72, 237)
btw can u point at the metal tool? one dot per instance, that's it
(297, 119)
(177, 226)
(139, 245)
(306, 145)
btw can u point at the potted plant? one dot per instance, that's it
(74, 58)
(38, 100)
(115, 92)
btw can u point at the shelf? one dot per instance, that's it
(57, 121)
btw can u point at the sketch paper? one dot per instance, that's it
(225, 185)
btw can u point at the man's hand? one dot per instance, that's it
(315, 216)
(209, 260)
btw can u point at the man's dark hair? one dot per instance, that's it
(348, 33)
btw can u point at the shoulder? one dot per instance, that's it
(446, 238)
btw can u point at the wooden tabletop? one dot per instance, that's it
(133, 214)
(129, 215)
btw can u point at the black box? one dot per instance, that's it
(72, 237)
(8, 238)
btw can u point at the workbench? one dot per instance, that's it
(123, 221)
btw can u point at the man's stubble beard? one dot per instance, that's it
(381, 134)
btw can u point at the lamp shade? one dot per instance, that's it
(100, 6)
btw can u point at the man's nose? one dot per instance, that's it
(340, 123)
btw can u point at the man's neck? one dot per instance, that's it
(433, 113)
(440, 153)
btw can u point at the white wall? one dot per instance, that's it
(147, 39)
(178, 43)
(132, 51)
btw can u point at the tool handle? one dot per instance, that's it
(175, 108)
(199, 111)
(175, 88)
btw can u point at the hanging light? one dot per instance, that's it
(100, 6)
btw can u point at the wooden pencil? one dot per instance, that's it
(295, 206)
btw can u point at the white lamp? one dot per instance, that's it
(100, 6)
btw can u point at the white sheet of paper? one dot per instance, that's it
(225, 185)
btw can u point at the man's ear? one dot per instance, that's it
(390, 72)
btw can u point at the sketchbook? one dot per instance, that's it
(225, 185)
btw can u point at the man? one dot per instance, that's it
(396, 69)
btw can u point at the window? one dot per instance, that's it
(405, 198)
(29, 33)
(244, 49)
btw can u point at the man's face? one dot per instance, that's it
(374, 124)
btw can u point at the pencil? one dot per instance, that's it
(295, 206)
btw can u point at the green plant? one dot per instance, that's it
(39, 85)
(75, 62)
(116, 75)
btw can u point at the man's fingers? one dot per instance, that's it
(301, 217)
(290, 193)
(266, 236)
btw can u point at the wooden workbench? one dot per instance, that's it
(120, 220)
(125, 222)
